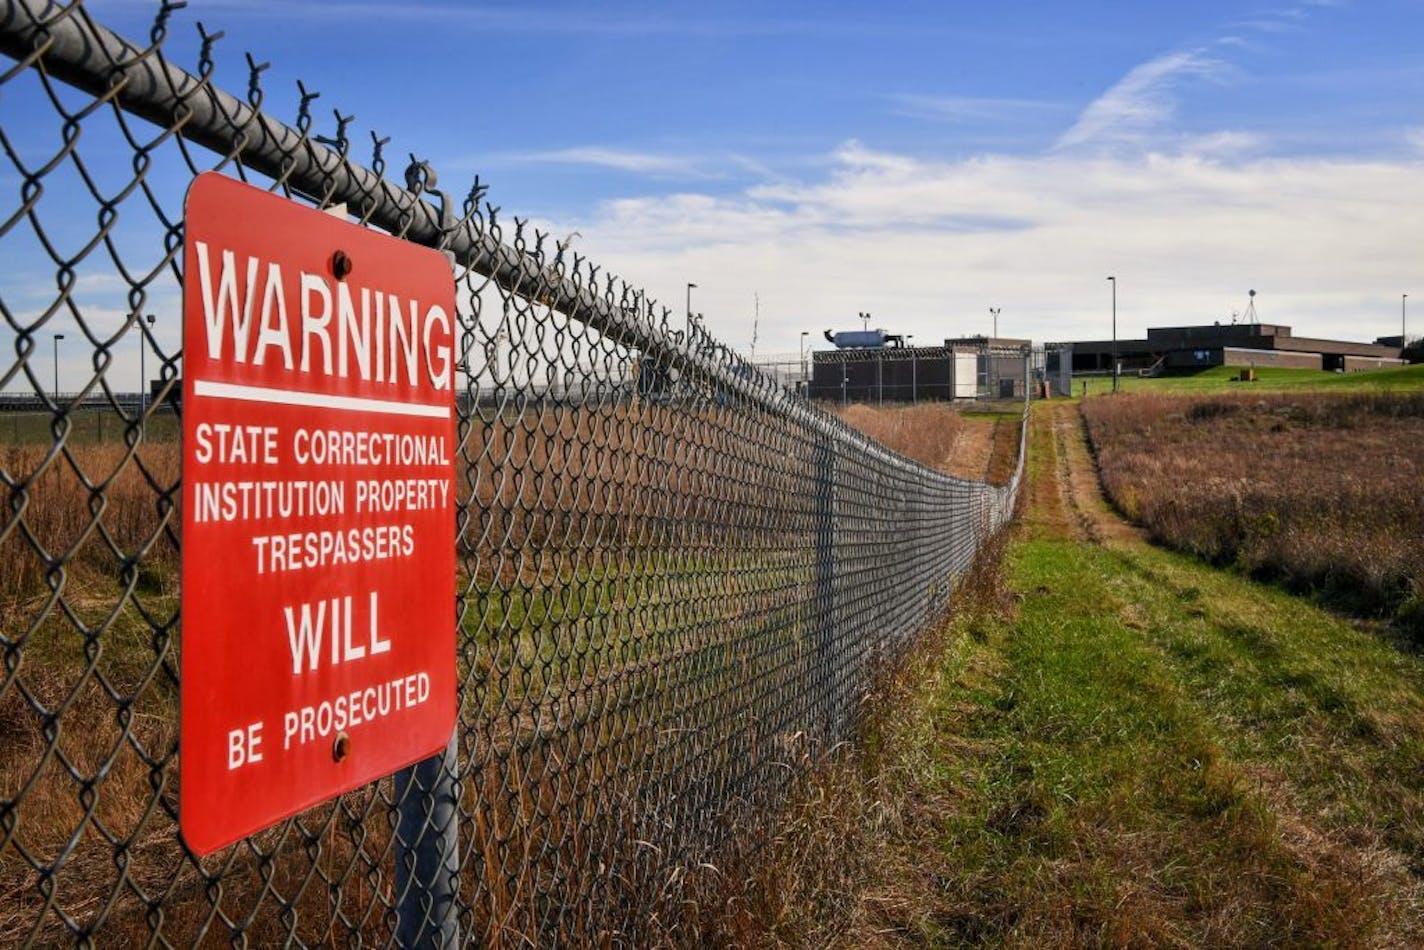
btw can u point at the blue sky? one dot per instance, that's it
(923, 161)
(565, 105)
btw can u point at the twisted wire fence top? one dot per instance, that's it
(675, 579)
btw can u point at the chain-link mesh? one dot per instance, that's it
(675, 578)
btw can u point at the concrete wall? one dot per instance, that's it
(1356, 364)
(1239, 356)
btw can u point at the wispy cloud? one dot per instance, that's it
(1286, 19)
(1236, 42)
(1138, 109)
(1224, 145)
(648, 163)
(970, 108)
(1142, 101)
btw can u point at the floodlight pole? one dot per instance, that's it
(1113, 281)
(142, 372)
(805, 382)
(57, 338)
(914, 372)
(994, 312)
(1403, 331)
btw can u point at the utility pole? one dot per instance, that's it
(1113, 281)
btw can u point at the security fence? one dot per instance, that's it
(675, 579)
(913, 374)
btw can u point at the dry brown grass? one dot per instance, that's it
(927, 433)
(581, 509)
(1319, 492)
(78, 506)
(973, 445)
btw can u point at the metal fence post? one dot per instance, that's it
(825, 576)
(427, 858)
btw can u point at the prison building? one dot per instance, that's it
(1239, 344)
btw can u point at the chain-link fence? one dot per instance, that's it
(674, 577)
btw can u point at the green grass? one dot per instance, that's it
(1268, 378)
(1154, 752)
(88, 427)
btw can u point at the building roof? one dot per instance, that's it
(1261, 336)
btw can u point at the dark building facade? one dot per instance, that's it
(1240, 344)
(914, 373)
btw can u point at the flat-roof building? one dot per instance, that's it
(1237, 344)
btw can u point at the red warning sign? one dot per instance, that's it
(318, 597)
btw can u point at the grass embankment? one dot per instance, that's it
(1319, 491)
(1125, 746)
(1268, 379)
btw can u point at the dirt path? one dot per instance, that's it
(1077, 480)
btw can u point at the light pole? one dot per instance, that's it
(690, 287)
(805, 383)
(57, 338)
(994, 312)
(1403, 338)
(1113, 281)
(143, 373)
(914, 375)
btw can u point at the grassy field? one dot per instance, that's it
(1268, 378)
(1109, 743)
(1115, 744)
(1317, 490)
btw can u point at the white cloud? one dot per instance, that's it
(1326, 242)
(1141, 102)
